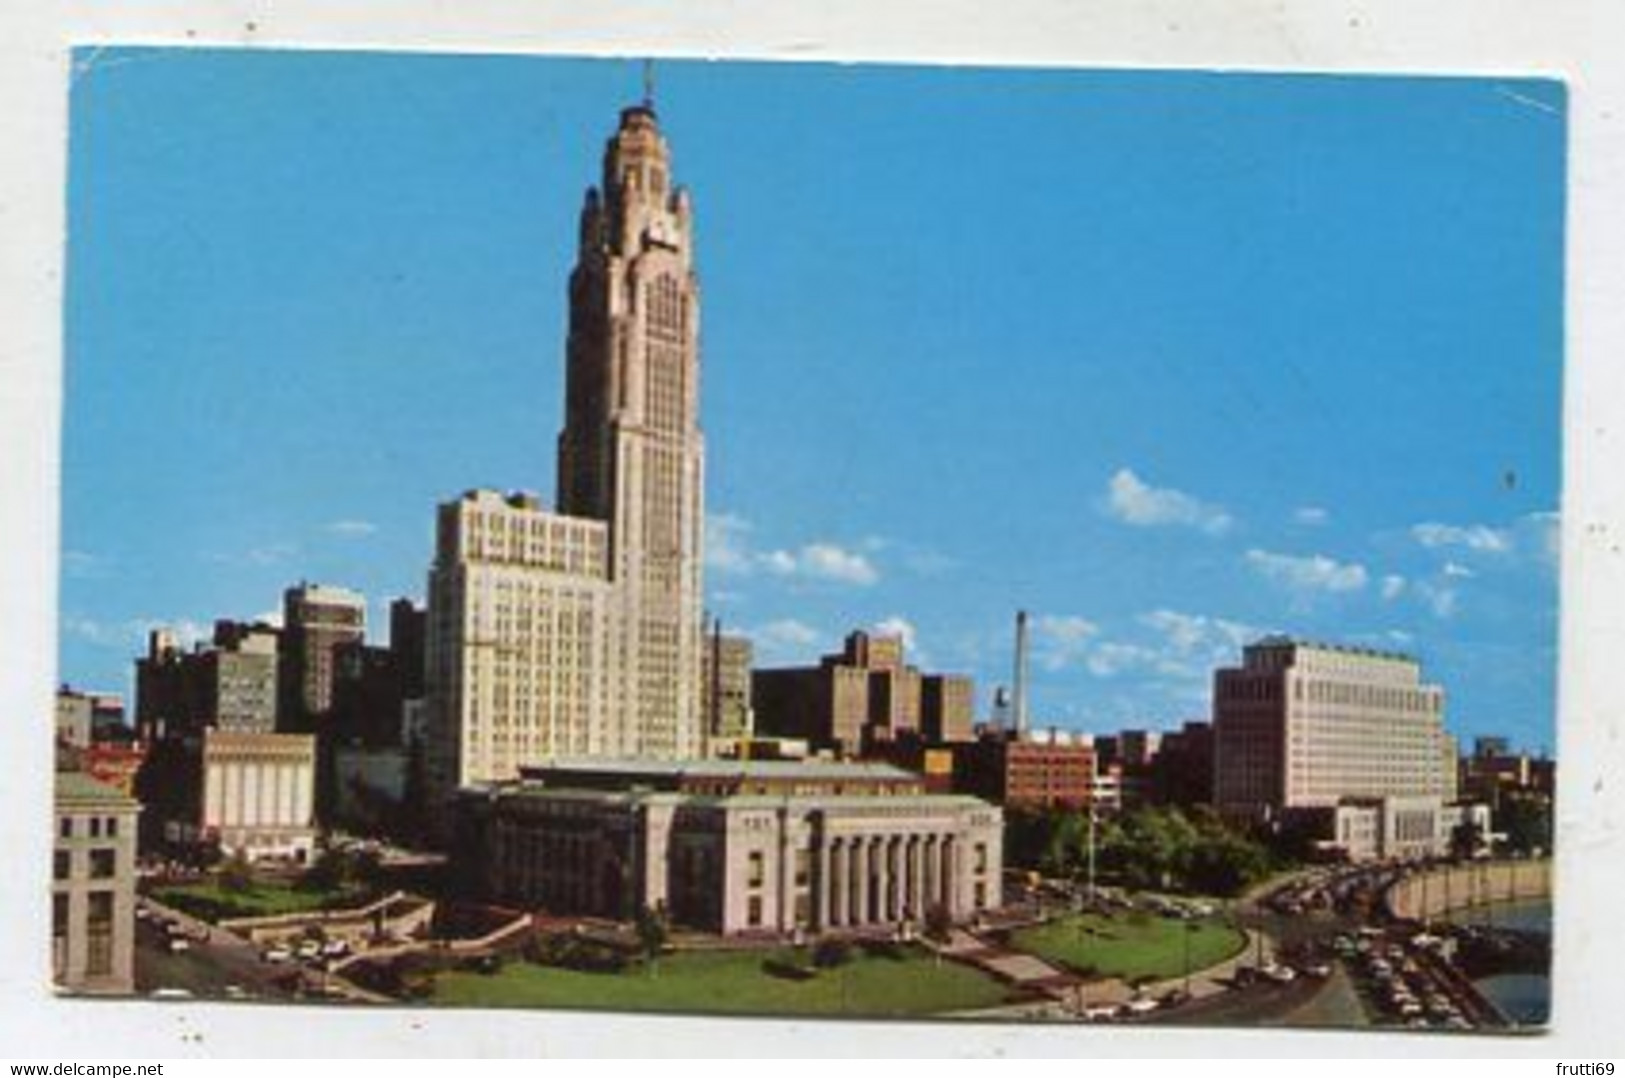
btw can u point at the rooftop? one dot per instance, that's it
(634, 767)
(76, 787)
(1281, 640)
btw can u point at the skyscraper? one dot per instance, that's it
(631, 453)
(579, 631)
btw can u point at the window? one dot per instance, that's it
(95, 827)
(99, 935)
(758, 869)
(754, 911)
(65, 827)
(103, 863)
(63, 867)
(803, 866)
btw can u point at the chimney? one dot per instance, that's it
(1021, 675)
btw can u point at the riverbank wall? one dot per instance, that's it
(1429, 894)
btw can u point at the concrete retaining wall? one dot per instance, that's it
(1429, 894)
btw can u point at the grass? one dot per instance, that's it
(259, 899)
(1131, 946)
(909, 982)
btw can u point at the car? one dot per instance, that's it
(309, 949)
(171, 993)
(1140, 1005)
(1280, 974)
(178, 944)
(1099, 1012)
(277, 955)
(1318, 970)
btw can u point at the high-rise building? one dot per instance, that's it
(520, 632)
(579, 631)
(1308, 732)
(631, 453)
(316, 620)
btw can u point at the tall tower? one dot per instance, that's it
(631, 453)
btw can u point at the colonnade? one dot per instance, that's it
(885, 879)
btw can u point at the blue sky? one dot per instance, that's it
(1169, 359)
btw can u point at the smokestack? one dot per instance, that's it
(1021, 675)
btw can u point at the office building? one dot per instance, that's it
(862, 699)
(725, 684)
(1301, 728)
(1043, 770)
(579, 631)
(733, 848)
(93, 887)
(316, 621)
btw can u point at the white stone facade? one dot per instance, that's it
(258, 794)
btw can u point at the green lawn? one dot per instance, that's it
(734, 982)
(1126, 947)
(260, 898)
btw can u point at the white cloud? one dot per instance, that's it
(1441, 599)
(1311, 516)
(1060, 640)
(1309, 573)
(1111, 658)
(1132, 501)
(785, 640)
(1474, 537)
(132, 634)
(1548, 534)
(1393, 586)
(899, 626)
(728, 550)
(1199, 634)
(1458, 571)
(352, 529)
(261, 556)
(826, 561)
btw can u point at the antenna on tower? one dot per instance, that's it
(649, 84)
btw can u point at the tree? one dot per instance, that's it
(1527, 823)
(831, 953)
(652, 933)
(236, 876)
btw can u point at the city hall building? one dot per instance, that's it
(732, 847)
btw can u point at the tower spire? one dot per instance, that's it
(649, 84)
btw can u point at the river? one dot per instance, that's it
(1526, 998)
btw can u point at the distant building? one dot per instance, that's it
(1183, 771)
(316, 621)
(856, 702)
(1494, 772)
(732, 848)
(725, 686)
(84, 718)
(1050, 769)
(214, 771)
(93, 887)
(1403, 828)
(1301, 728)
(258, 794)
(232, 685)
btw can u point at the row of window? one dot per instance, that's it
(103, 864)
(94, 826)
